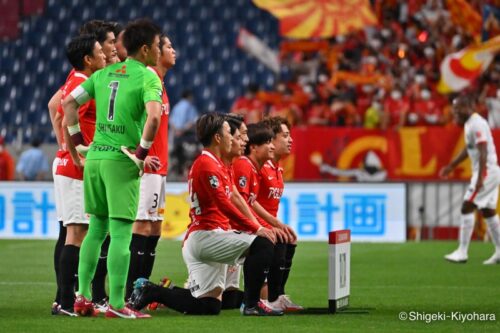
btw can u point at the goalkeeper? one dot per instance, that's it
(128, 105)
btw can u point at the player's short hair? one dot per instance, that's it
(464, 100)
(208, 125)
(258, 134)
(274, 123)
(98, 28)
(78, 48)
(138, 33)
(234, 121)
(117, 27)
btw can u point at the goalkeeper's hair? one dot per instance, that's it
(78, 48)
(138, 33)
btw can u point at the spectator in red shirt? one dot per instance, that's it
(249, 106)
(7, 169)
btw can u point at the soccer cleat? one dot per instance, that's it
(261, 309)
(54, 309)
(125, 313)
(457, 256)
(164, 283)
(284, 303)
(102, 306)
(493, 260)
(84, 307)
(141, 296)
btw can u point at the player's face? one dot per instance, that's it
(244, 137)
(236, 146)
(109, 48)
(265, 152)
(121, 51)
(153, 52)
(167, 58)
(460, 113)
(98, 59)
(283, 142)
(226, 139)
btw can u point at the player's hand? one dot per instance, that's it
(152, 162)
(131, 155)
(82, 149)
(444, 172)
(80, 163)
(281, 235)
(292, 236)
(267, 233)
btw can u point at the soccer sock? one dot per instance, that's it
(68, 275)
(89, 253)
(57, 258)
(99, 281)
(137, 253)
(149, 256)
(232, 299)
(494, 228)
(466, 228)
(255, 269)
(275, 276)
(120, 231)
(181, 300)
(290, 252)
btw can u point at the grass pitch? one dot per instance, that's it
(386, 279)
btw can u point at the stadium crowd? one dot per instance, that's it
(380, 77)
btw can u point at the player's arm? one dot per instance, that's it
(79, 96)
(70, 146)
(483, 153)
(453, 164)
(240, 203)
(55, 117)
(272, 220)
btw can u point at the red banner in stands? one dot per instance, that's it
(412, 153)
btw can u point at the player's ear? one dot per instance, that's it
(87, 60)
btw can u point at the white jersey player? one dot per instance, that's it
(482, 192)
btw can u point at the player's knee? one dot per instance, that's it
(210, 306)
(263, 247)
(467, 207)
(488, 212)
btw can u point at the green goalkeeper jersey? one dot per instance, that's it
(120, 91)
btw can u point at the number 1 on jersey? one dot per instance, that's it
(114, 89)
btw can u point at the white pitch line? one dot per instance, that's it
(17, 283)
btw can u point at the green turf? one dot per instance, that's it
(385, 279)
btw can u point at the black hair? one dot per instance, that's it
(78, 48)
(274, 123)
(98, 28)
(187, 93)
(234, 121)
(117, 28)
(207, 126)
(258, 134)
(138, 33)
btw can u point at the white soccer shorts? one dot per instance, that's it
(57, 189)
(233, 276)
(73, 205)
(151, 197)
(207, 254)
(487, 196)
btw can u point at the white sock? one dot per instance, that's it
(494, 229)
(466, 229)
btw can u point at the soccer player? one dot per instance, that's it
(270, 190)
(209, 245)
(128, 103)
(147, 229)
(105, 35)
(86, 56)
(482, 193)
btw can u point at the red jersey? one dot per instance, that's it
(248, 180)
(86, 114)
(160, 143)
(210, 190)
(271, 187)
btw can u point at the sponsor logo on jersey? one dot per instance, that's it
(214, 181)
(242, 181)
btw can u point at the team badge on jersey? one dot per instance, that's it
(214, 181)
(242, 181)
